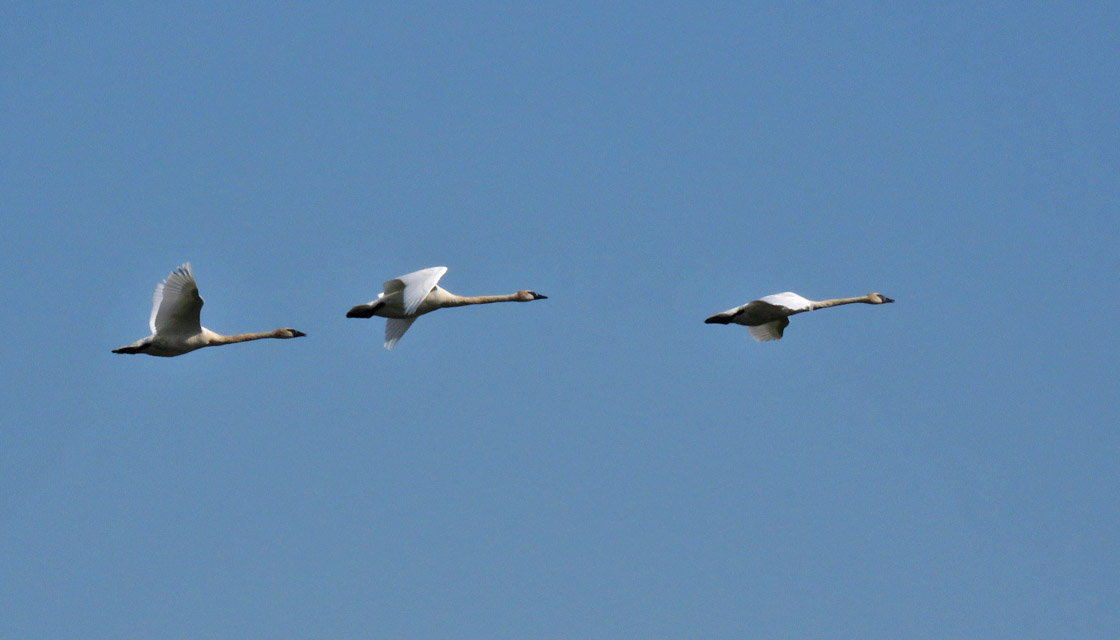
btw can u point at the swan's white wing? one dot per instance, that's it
(770, 330)
(789, 300)
(415, 287)
(394, 330)
(176, 305)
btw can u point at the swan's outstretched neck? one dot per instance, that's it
(871, 298)
(217, 340)
(453, 300)
(460, 301)
(835, 302)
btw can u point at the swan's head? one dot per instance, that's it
(288, 332)
(528, 296)
(878, 298)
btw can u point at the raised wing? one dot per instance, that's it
(394, 330)
(415, 287)
(770, 330)
(789, 300)
(176, 305)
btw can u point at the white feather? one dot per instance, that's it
(789, 300)
(415, 287)
(176, 305)
(394, 330)
(768, 331)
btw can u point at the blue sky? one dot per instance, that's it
(600, 464)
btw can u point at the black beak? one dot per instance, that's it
(886, 299)
(537, 296)
(298, 334)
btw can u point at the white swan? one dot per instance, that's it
(175, 326)
(410, 296)
(766, 318)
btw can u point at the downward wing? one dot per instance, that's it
(770, 330)
(176, 305)
(394, 330)
(415, 287)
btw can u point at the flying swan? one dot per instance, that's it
(408, 297)
(175, 326)
(766, 318)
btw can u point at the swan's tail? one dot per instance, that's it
(130, 349)
(720, 318)
(361, 311)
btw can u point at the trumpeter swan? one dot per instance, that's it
(175, 326)
(766, 318)
(410, 296)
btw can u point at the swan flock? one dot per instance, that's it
(175, 320)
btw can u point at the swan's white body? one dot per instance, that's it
(768, 317)
(404, 299)
(175, 321)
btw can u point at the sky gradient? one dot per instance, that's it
(601, 464)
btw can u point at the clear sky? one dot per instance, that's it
(601, 464)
